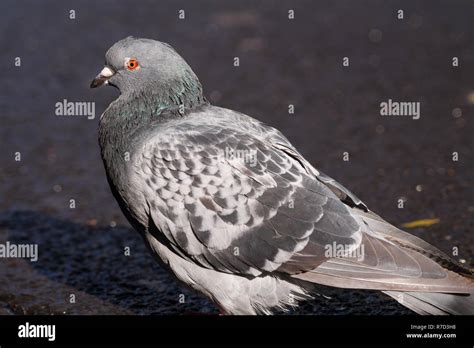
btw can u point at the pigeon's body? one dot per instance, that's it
(234, 211)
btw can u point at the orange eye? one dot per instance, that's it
(132, 64)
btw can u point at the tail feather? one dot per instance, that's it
(435, 303)
(412, 271)
(407, 240)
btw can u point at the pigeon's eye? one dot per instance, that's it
(132, 64)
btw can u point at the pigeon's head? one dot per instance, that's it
(136, 66)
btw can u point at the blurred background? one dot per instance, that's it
(282, 61)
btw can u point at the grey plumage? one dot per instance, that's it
(234, 211)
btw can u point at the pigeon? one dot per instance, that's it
(231, 208)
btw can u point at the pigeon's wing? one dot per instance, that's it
(240, 203)
(230, 201)
(386, 258)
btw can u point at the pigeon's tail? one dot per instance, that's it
(430, 303)
(427, 303)
(415, 273)
(389, 232)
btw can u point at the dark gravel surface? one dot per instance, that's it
(281, 62)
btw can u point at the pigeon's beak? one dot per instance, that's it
(102, 78)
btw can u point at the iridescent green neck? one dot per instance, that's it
(176, 98)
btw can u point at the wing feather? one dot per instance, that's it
(237, 197)
(233, 202)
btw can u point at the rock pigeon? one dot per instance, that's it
(233, 210)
